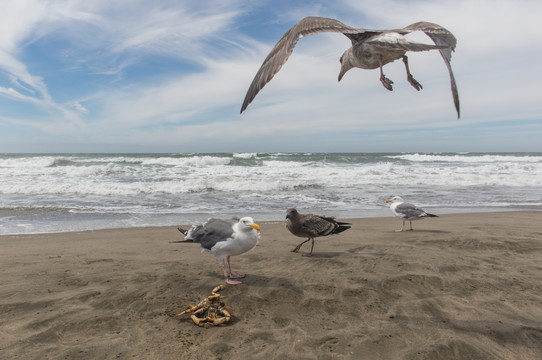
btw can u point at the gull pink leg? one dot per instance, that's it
(228, 281)
(383, 79)
(402, 227)
(410, 78)
(296, 249)
(312, 247)
(234, 275)
(224, 268)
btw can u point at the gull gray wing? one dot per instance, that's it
(316, 225)
(212, 232)
(285, 46)
(408, 211)
(441, 37)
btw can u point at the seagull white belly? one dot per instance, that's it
(370, 56)
(234, 246)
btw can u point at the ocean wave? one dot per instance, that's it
(169, 184)
(189, 161)
(469, 158)
(217, 174)
(245, 155)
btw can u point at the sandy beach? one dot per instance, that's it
(461, 286)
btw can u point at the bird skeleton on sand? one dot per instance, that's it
(311, 226)
(371, 49)
(225, 238)
(406, 211)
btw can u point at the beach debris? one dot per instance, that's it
(211, 310)
(311, 226)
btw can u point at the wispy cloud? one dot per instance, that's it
(106, 38)
(19, 74)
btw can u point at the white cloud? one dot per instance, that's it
(77, 106)
(120, 32)
(495, 64)
(480, 25)
(18, 73)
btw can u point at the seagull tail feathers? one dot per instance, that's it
(342, 227)
(185, 233)
(430, 215)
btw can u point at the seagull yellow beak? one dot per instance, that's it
(255, 226)
(388, 201)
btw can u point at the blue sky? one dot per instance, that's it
(170, 76)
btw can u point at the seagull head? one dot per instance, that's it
(345, 62)
(291, 212)
(247, 224)
(395, 199)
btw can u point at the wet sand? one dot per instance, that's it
(461, 286)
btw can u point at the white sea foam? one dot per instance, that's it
(177, 185)
(245, 155)
(469, 158)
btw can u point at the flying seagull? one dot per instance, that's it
(371, 49)
(407, 211)
(225, 238)
(311, 226)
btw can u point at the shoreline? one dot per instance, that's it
(197, 219)
(464, 285)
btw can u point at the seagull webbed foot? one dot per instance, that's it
(414, 82)
(386, 82)
(410, 78)
(296, 249)
(236, 276)
(233, 282)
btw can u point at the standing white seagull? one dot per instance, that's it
(371, 49)
(225, 238)
(407, 211)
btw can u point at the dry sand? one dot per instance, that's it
(461, 286)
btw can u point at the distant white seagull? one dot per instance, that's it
(225, 238)
(311, 226)
(371, 49)
(407, 211)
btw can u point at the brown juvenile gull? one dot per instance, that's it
(225, 238)
(371, 49)
(407, 211)
(311, 226)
